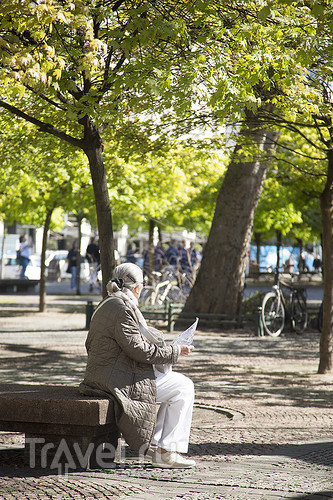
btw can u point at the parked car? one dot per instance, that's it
(57, 266)
(11, 269)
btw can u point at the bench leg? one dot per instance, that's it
(71, 452)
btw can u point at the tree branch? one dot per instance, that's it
(319, 130)
(47, 99)
(302, 170)
(294, 127)
(44, 127)
(298, 153)
(117, 4)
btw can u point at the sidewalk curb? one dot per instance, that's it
(230, 413)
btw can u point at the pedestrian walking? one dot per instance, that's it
(72, 258)
(24, 255)
(94, 259)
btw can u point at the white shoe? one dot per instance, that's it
(171, 460)
(150, 452)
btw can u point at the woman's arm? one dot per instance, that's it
(130, 340)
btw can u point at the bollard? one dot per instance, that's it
(259, 326)
(89, 313)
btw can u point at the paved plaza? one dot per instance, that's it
(262, 425)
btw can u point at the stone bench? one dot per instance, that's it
(17, 285)
(62, 428)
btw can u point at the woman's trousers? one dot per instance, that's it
(175, 393)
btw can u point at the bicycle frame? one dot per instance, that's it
(167, 284)
(280, 295)
(293, 292)
(288, 306)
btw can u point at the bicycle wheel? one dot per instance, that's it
(273, 315)
(299, 318)
(147, 296)
(175, 295)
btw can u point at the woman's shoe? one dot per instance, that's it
(150, 452)
(171, 460)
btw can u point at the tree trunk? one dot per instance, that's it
(257, 239)
(42, 283)
(160, 238)
(94, 150)
(326, 204)
(220, 281)
(79, 218)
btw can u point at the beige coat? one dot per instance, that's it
(120, 364)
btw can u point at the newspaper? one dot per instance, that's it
(186, 337)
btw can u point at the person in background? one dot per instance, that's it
(24, 255)
(72, 257)
(302, 264)
(94, 259)
(194, 258)
(317, 264)
(184, 258)
(130, 254)
(289, 265)
(145, 260)
(159, 256)
(171, 254)
(130, 362)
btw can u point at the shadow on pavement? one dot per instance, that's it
(26, 364)
(317, 453)
(320, 495)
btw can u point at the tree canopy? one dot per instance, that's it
(290, 201)
(176, 186)
(156, 70)
(74, 68)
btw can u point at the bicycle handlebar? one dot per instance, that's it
(277, 279)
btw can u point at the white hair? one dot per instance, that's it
(125, 275)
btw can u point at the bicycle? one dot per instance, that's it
(183, 279)
(275, 308)
(164, 290)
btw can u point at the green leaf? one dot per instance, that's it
(265, 12)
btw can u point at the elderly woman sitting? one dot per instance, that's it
(132, 364)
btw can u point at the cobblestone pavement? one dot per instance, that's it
(262, 425)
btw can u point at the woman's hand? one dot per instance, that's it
(186, 349)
